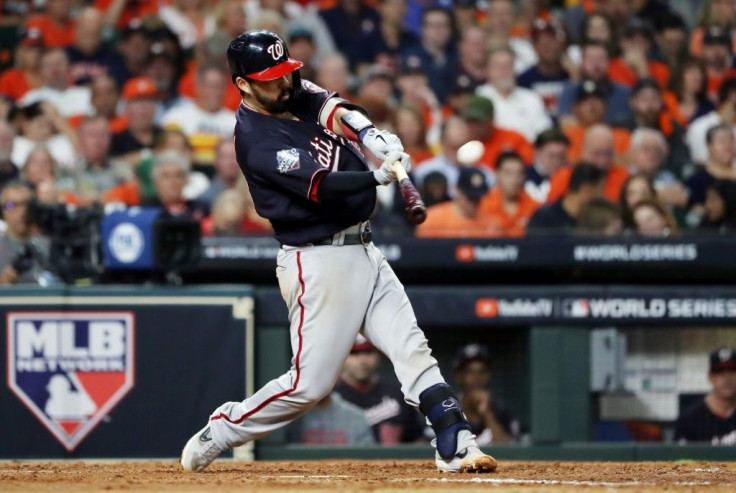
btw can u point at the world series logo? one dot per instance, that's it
(70, 368)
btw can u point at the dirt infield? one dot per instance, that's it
(378, 475)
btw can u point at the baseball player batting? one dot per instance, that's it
(297, 146)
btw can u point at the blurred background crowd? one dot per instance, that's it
(584, 116)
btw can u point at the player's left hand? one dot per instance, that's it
(381, 142)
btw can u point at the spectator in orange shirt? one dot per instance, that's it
(461, 218)
(119, 13)
(598, 150)
(590, 110)
(25, 75)
(718, 58)
(634, 62)
(508, 206)
(478, 113)
(712, 13)
(56, 25)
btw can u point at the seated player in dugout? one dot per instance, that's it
(490, 417)
(379, 396)
(297, 145)
(713, 419)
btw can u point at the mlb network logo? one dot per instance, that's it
(70, 368)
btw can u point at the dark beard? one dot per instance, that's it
(280, 105)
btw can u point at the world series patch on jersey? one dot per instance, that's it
(288, 160)
(70, 368)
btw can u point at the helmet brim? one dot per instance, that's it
(271, 73)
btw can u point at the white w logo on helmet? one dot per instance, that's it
(276, 50)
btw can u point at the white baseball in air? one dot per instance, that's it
(470, 153)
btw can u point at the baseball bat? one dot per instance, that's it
(414, 206)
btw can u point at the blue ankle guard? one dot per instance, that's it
(441, 407)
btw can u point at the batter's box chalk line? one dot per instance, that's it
(555, 482)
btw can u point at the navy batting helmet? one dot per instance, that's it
(260, 55)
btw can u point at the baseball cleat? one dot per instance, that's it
(468, 460)
(200, 451)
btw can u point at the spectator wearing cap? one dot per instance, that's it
(41, 126)
(134, 45)
(594, 66)
(647, 157)
(55, 88)
(550, 154)
(378, 85)
(454, 133)
(648, 111)
(301, 46)
(501, 17)
(55, 24)
(436, 50)
(205, 120)
(599, 149)
(724, 113)
(164, 67)
(712, 13)
(718, 58)
(362, 384)
(26, 73)
(480, 116)
(472, 59)
(300, 17)
(713, 419)
(383, 46)
(548, 76)
(508, 206)
(461, 218)
(515, 108)
(413, 88)
(490, 417)
(590, 110)
(635, 62)
(135, 142)
(88, 58)
(560, 216)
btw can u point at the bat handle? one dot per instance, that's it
(399, 171)
(415, 209)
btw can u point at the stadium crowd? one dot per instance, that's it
(592, 116)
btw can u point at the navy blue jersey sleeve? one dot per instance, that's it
(289, 168)
(318, 105)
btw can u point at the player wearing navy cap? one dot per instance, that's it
(297, 146)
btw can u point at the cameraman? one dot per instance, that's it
(19, 258)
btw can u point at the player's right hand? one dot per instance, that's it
(385, 174)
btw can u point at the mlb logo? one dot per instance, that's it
(579, 308)
(70, 368)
